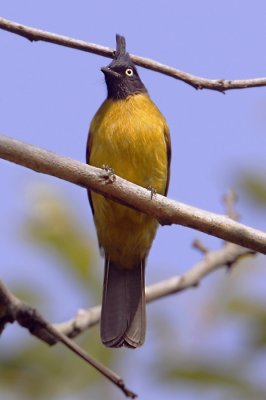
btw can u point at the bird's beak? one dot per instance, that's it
(109, 71)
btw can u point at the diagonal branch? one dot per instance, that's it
(228, 255)
(12, 309)
(197, 82)
(166, 211)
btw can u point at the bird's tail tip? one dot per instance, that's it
(123, 318)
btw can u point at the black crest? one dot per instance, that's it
(120, 46)
(121, 75)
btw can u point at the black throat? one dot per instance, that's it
(121, 88)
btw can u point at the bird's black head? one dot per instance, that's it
(121, 75)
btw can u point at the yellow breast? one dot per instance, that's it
(128, 136)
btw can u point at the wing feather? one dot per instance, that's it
(169, 156)
(88, 152)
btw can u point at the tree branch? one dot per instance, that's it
(12, 309)
(228, 255)
(166, 211)
(197, 82)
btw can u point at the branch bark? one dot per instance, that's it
(166, 211)
(228, 255)
(197, 82)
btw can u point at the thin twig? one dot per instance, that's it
(228, 254)
(230, 200)
(220, 85)
(166, 211)
(13, 309)
(198, 245)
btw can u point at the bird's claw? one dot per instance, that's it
(109, 173)
(152, 190)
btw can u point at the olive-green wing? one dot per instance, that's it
(169, 155)
(88, 151)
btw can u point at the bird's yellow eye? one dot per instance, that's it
(129, 72)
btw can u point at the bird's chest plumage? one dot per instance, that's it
(128, 136)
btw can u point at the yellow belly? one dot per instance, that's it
(128, 136)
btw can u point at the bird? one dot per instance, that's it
(130, 136)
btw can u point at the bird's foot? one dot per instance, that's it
(153, 191)
(109, 173)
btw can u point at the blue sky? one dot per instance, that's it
(49, 95)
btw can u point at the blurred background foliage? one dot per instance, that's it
(205, 360)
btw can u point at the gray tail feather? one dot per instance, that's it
(123, 317)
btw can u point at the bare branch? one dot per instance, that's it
(198, 245)
(229, 254)
(229, 201)
(83, 320)
(166, 211)
(13, 309)
(197, 82)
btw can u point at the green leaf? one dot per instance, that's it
(255, 186)
(213, 376)
(255, 312)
